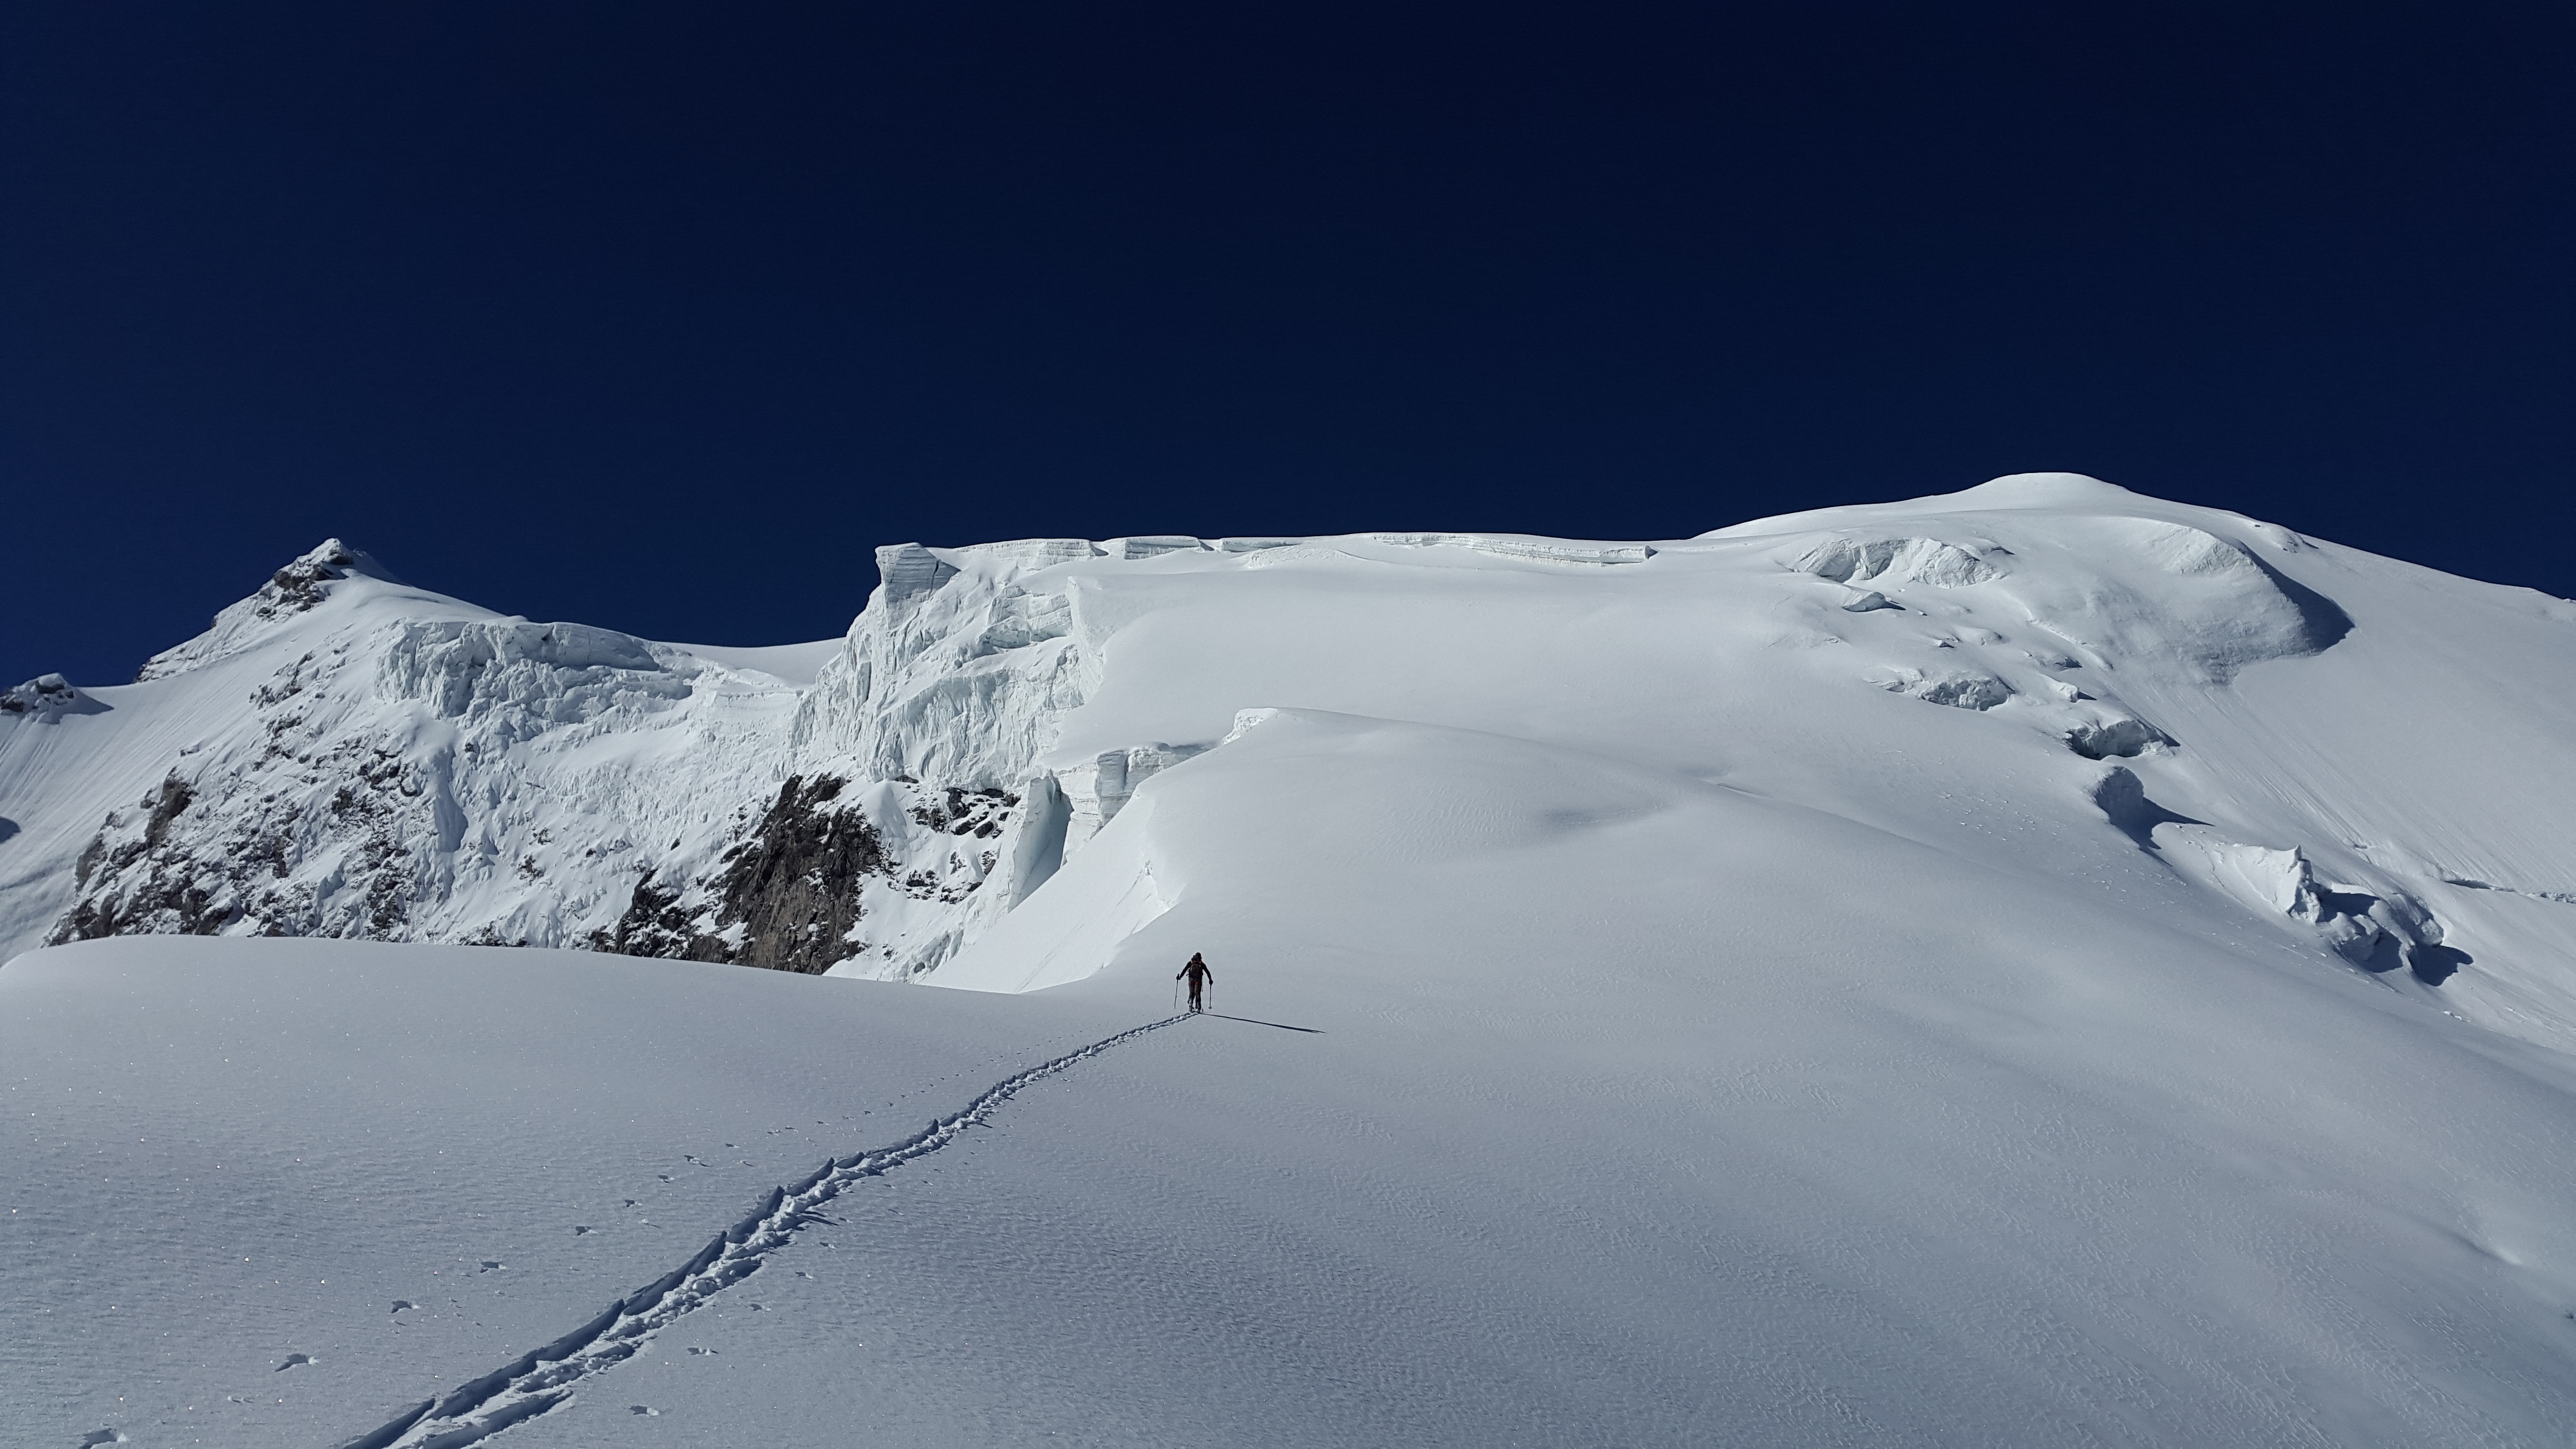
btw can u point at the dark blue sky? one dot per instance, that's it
(660, 317)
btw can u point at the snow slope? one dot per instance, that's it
(2038, 965)
(230, 1153)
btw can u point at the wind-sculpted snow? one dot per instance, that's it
(1960, 689)
(2109, 734)
(2117, 586)
(2190, 596)
(2377, 932)
(536, 675)
(956, 672)
(1549, 550)
(1900, 560)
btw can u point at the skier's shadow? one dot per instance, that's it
(1283, 1026)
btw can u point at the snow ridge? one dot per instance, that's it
(543, 1379)
(298, 588)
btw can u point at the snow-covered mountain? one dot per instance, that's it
(342, 755)
(2034, 965)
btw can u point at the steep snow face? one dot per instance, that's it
(422, 780)
(344, 756)
(298, 588)
(341, 755)
(957, 670)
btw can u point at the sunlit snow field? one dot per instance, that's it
(2112, 988)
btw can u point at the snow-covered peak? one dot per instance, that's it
(344, 754)
(2071, 491)
(303, 585)
(2020, 493)
(2132, 583)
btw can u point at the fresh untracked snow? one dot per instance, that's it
(2038, 965)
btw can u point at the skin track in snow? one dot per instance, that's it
(544, 1378)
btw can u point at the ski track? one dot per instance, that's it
(543, 1379)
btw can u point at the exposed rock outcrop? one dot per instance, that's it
(800, 890)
